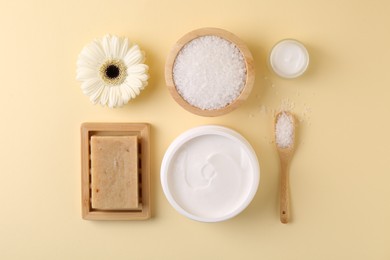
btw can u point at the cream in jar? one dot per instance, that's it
(289, 58)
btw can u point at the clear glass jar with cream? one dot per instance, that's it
(289, 58)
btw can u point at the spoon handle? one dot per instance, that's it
(284, 194)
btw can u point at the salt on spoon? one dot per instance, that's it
(285, 143)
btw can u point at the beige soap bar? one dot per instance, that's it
(114, 172)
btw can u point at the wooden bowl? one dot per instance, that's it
(250, 73)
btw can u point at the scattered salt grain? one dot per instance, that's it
(209, 72)
(263, 109)
(287, 105)
(284, 131)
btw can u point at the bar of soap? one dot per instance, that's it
(114, 172)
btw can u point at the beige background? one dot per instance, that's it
(339, 177)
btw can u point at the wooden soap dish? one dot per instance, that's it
(250, 72)
(140, 130)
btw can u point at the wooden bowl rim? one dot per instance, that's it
(208, 31)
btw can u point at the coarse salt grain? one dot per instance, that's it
(209, 72)
(284, 130)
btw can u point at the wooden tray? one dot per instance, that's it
(141, 130)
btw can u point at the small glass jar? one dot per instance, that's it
(289, 58)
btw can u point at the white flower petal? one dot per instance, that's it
(90, 85)
(98, 49)
(112, 98)
(92, 55)
(133, 82)
(106, 46)
(132, 92)
(114, 44)
(84, 63)
(94, 52)
(85, 74)
(104, 95)
(118, 97)
(124, 48)
(142, 77)
(137, 69)
(125, 92)
(133, 59)
(133, 56)
(134, 48)
(122, 99)
(94, 97)
(135, 89)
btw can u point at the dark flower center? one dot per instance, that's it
(112, 71)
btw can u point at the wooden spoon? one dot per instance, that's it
(285, 125)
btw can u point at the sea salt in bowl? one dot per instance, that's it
(210, 173)
(209, 72)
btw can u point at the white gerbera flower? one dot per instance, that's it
(112, 71)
